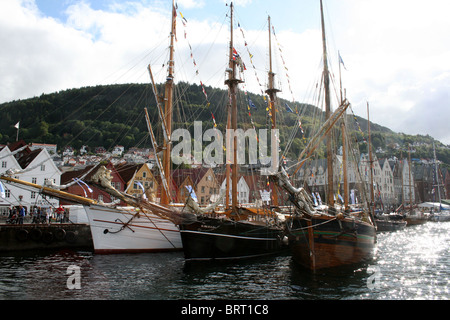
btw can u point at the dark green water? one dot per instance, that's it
(409, 264)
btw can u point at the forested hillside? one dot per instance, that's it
(114, 115)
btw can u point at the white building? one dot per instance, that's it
(242, 188)
(7, 162)
(51, 148)
(31, 166)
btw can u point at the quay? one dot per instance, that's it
(31, 236)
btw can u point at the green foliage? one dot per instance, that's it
(114, 115)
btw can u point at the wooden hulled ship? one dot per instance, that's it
(237, 232)
(332, 235)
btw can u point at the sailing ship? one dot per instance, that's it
(383, 222)
(413, 214)
(332, 235)
(142, 226)
(237, 232)
(442, 213)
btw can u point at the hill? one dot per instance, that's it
(114, 114)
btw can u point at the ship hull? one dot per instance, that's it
(216, 239)
(119, 230)
(325, 242)
(388, 225)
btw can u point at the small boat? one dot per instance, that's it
(389, 224)
(415, 217)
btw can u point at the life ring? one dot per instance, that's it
(60, 234)
(22, 235)
(35, 234)
(47, 237)
(71, 237)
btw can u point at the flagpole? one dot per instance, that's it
(340, 75)
(17, 126)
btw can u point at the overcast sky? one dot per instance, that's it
(396, 52)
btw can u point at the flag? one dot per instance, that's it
(17, 125)
(315, 199)
(142, 187)
(192, 193)
(318, 198)
(288, 108)
(341, 61)
(251, 104)
(235, 54)
(2, 190)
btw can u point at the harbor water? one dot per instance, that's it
(409, 264)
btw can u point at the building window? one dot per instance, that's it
(33, 195)
(144, 174)
(34, 180)
(43, 167)
(8, 193)
(4, 164)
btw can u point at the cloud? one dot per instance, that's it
(43, 55)
(395, 53)
(190, 4)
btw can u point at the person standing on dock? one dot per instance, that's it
(21, 214)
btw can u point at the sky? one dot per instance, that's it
(396, 53)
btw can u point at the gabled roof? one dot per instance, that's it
(179, 175)
(127, 171)
(68, 176)
(25, 159)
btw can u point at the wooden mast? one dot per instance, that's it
(272, 91)
(326, 77)
(168, 109)
(344, 164)
(232, 83)
(372, 196)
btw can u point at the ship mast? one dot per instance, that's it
(326, 77)
(272, 91)
(168, 109)
(372, 195)
(232, 83)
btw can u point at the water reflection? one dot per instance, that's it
(413, 263)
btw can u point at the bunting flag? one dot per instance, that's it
(84, 183)
(208, 103)
(315, 199)
(2, 190)
(288, 108)
(77, 181)
(192, 193)
(319, 200)
(251, 104)
(143, 189)
(17, 125)
(341, 61)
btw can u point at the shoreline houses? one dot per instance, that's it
(134, 172)
(35, 166)
(392, 181)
